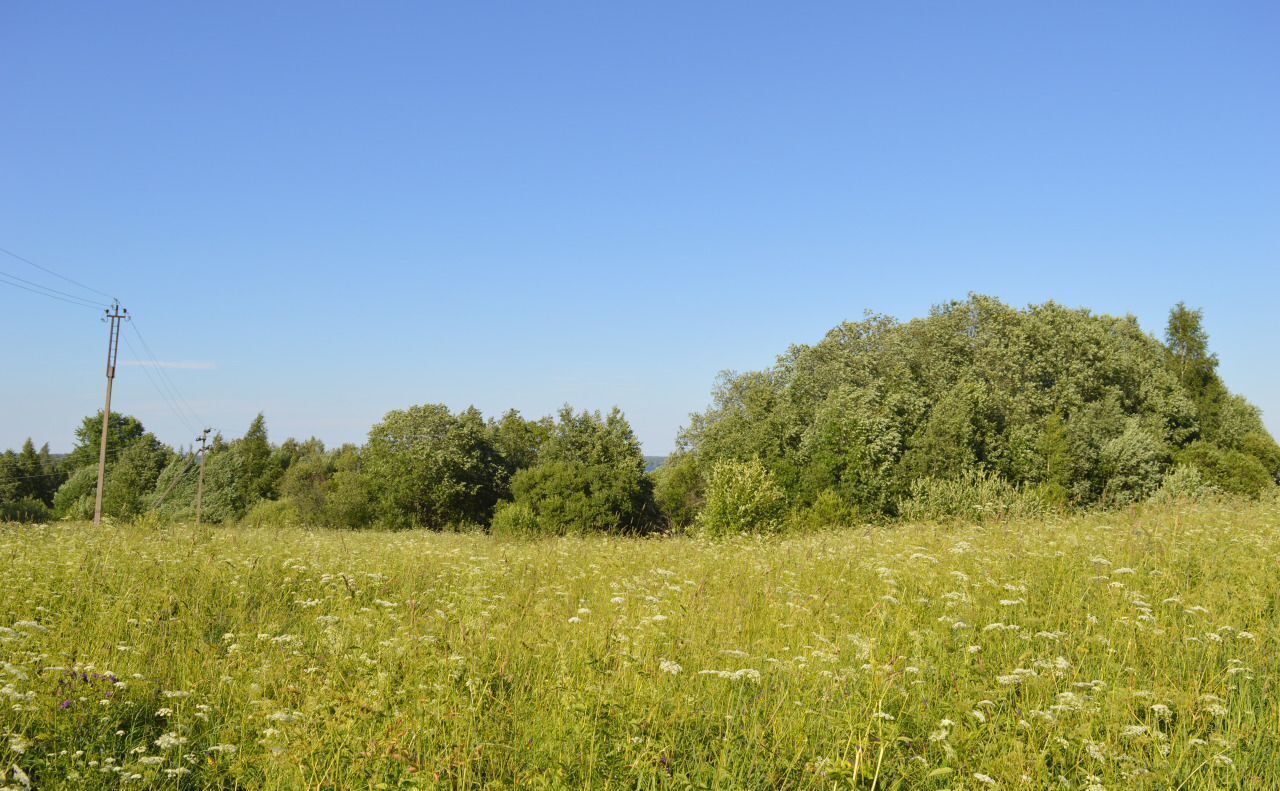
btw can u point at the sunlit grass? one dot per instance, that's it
(1113, 651)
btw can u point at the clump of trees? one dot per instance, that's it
(977, 411)
(979, 408)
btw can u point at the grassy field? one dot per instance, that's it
(1112, 651)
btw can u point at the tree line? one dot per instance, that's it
(977, 410)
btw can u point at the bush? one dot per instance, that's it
(74, 499)
(1183, 483)
(566, 497)
(514, 520)
(27, 509)
(1232, 471)
(742, 497)
(1131, 465)
(828, 509)
(974, 496)
(273, 513)
(678, 490)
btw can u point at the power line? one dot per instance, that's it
(46, 293)
(164, 375)
(47, 270)
(164, 396)
(50, 289)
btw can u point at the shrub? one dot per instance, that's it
(567, 497)
(514, 520)
(828, 509)
(1131, 465)
(742, 497)
(1183, 483)
(1262, 447)
(678, 490)
(26, 509)
(273, 513)
(1232, 471)
(74, 499)
(974, 496)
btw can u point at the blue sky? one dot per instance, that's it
(338, 209)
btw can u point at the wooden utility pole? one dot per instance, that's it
(203, 440)
(115, 315)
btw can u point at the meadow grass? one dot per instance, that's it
(1110, 651)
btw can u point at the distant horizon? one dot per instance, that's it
(1272, 422)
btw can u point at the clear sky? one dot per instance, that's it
(329, 210)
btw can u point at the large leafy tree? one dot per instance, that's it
(432, 468)
(122, 431)
(589, 477)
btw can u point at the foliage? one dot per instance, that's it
(742, 497)
(515, 520)
(1131, 463)
(1083, 409)
(75, 498)
(25, 509)
(122, 431)
(1231, 471)
(978, 496)
(678, 490)
(1183, 484)
(432, 468)
(589, 477)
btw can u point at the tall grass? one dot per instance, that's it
(1116, 651)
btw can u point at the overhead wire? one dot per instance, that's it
(161, 382)
(164, 375)
(49, 271)
(45, 291)
(169, 402)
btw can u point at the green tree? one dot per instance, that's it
(590, 476)
(431, 468)
(122, 431)
(1188, 345)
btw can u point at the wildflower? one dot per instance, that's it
(170, 740)
(575, 619)
(1161, 711)
(984, 779)
(1133, 731)
(164, 712)
(618, 600)
(667, 666)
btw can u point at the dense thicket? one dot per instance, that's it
(979, 409)
(1058, 406)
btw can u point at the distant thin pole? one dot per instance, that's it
(114, 315)
(202, 439)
